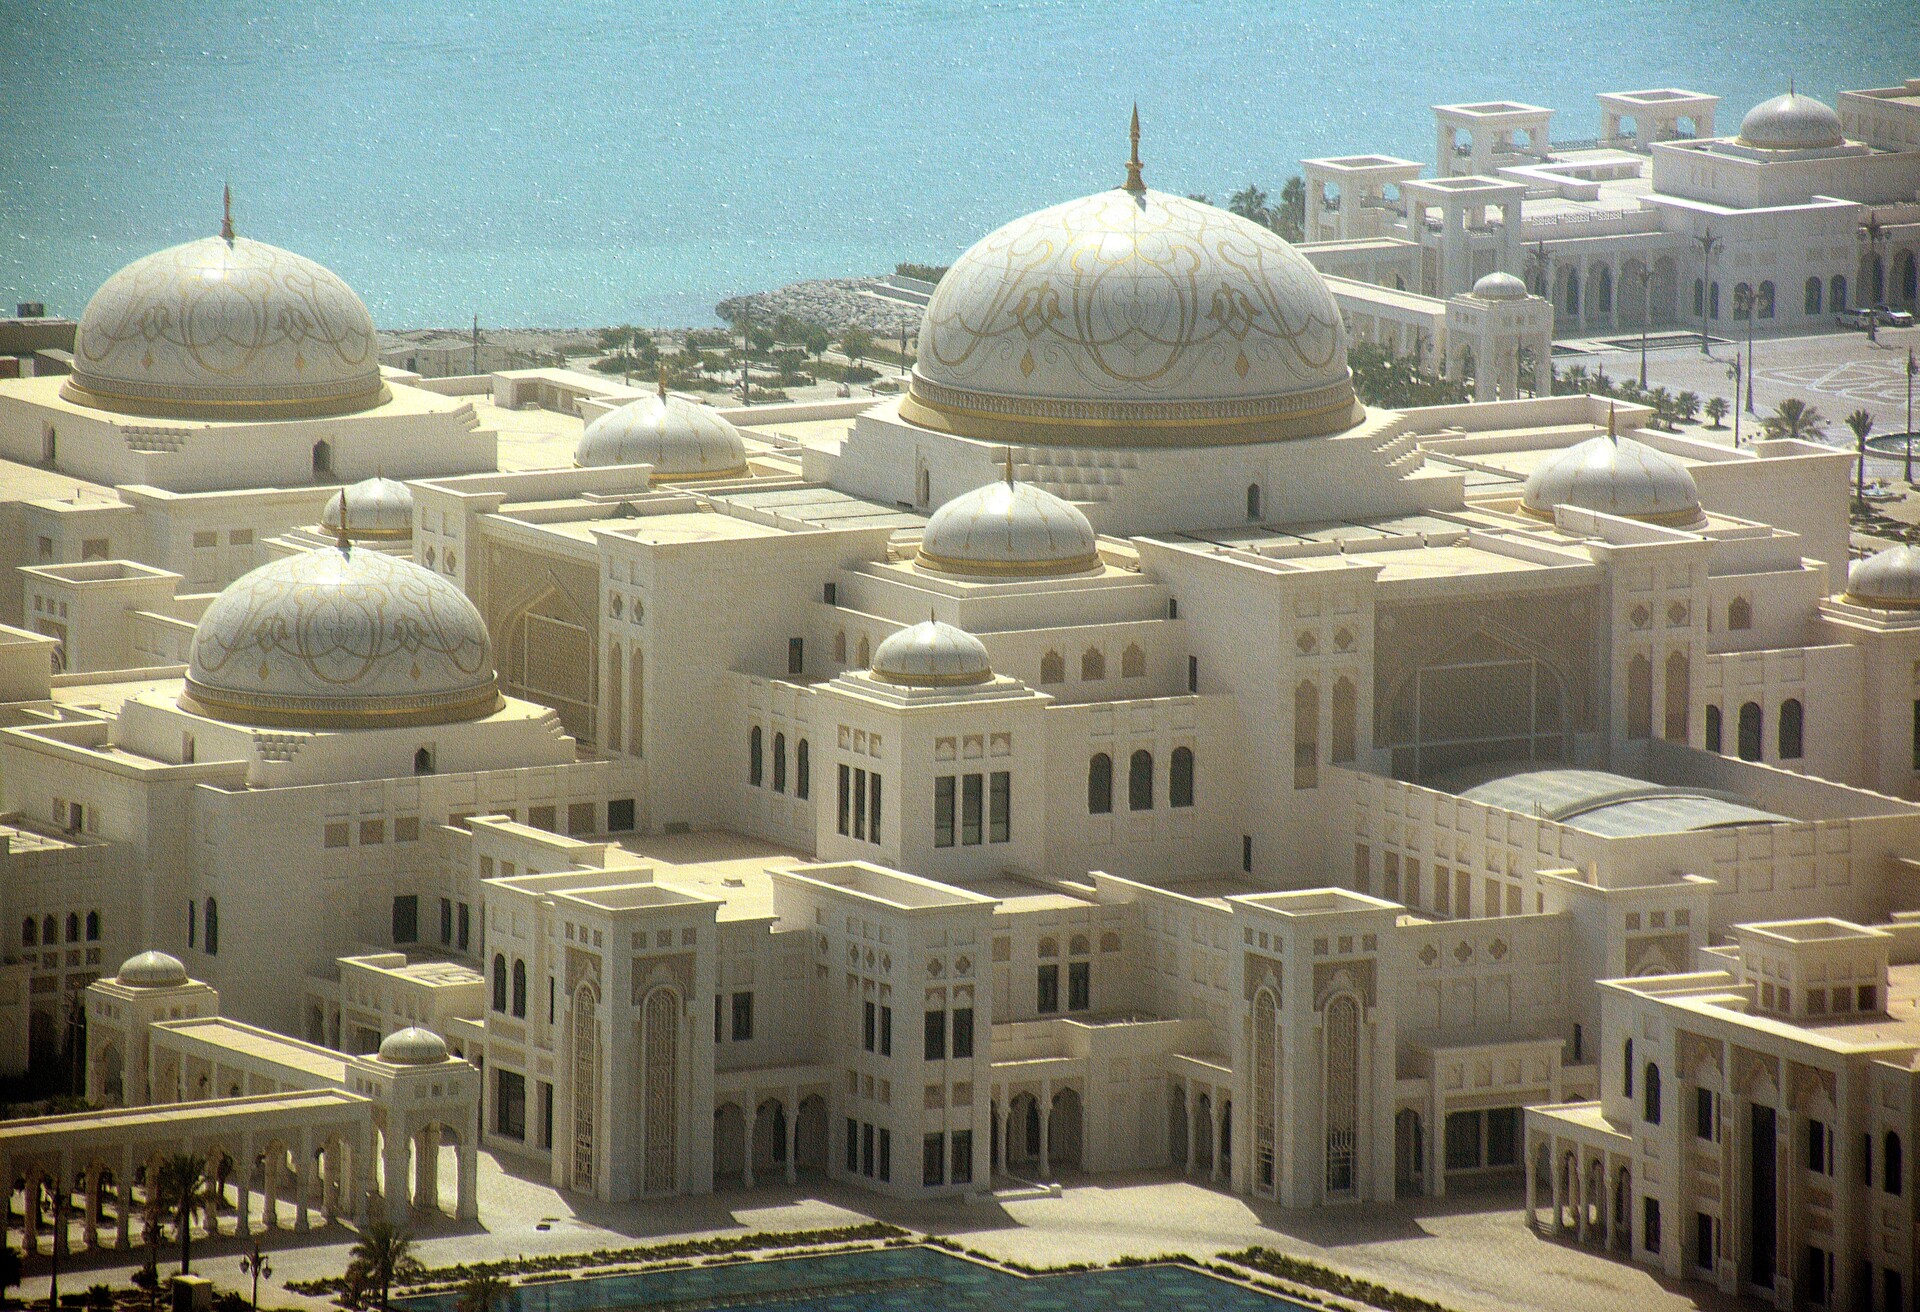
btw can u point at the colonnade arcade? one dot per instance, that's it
(1200, 1119)
(1625, 289)
(1038, 1125)
(768, 1124)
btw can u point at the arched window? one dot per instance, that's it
(802, 771)
(322, 460)
(840, 647)
(1253, 501)
(423, 761)
(1140, 781)
(49, 931)
(1053, 668)
(213, 927)
(73, 926)
(862, 658)
(1763, 302)
(1792, 729)
(30, 932)
(1837, 293)
(1892, 1169)
(1750, 730)
(1093, 665)
(520, 988)
(93, 926)
(500, 984)
(1626, 1069)
(1100, 784)
(1602, 290)
(1652, 1108)
(1573, 292)
(779, 763)
(756, 763)
(1133, 662)
(1180, 778)
(1813, 296)
(1742, 301)
(1345, 717)
(1306, 736)
(1713, 729)
(1739, 613)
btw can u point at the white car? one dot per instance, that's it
(1854, 318)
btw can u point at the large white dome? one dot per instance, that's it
(376, 510)
(683, 441)
(226, 329)
(1791, 122)
(337, 638)
(1008, 529)
(1132, 318)
(413, 1046)
(1615, 477)
(931, 654)
(151, 970)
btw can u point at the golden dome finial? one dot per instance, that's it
(226, 213)
(340, 538)
(1009, 452)
(1612, 432)
(1134, 183)
(663, 380)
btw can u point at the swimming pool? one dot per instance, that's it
(884, 1280)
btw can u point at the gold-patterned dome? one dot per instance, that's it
(376, 509)
(932, 654)
(1132, 318)
(682, 440)
(226, 328)
(1008, 530)
(338, 638)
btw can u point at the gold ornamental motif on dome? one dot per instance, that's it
(339, 638)
(1132, 318)
(226, 329)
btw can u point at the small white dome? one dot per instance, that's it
(413, 1046)
(151, 970)
(337, 638)
(1615, 477)
(226, 328)
(378, 510)
(932, 655)
(1886, 580)
(682, 440)
(1791, 122)
(1008, 529)
(1500, 286)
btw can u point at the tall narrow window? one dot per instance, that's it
(1053, 668)
(1626, 1069)
(1892, 1168)
(873, 807)
(963, 1031)
(1306, 736)
(779, 763)
(1079, 985)
(520, 989)
(1048, 991)
(970, 809)
(500, 984)
(1100, 773)
(943, 811)
(755, 761)
(802, 771)
(1180, 778)
(1792, 726)
(1652, 1095)
(1714, 735)
(1140, 781)
(1342, 1103)
(1000, 806)
(859, 802)
(1253, 501)
(213, 927)
(1750, 732)
(846, 775)
(934, 1035)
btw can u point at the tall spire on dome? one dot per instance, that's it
(1009, 451)
(226, 213)
(1134, 183)
(663, 380)
(340, 538)
(1612, 432)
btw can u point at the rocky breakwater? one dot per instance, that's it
(835, 304)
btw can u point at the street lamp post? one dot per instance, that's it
(1872, 232)
(1646, 312)
(1707, 244)
(1745, 302)
(1913, 367)
(1734, 372)
(255, 1264)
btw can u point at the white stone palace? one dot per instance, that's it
(1123, 749)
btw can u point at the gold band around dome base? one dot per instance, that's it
(224, 410)
(1035, 569)
(289, 714)
(1881, 603)
(1691, 517)
(967, 680)
(1198, 424)
(357, 534)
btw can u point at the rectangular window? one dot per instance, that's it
(1817, 1154)
(866, 1148)
(542, 817)
(580, 817)
(1703, 1241)
(846, 801)
(1193, 671)
(1079, 985)
(510, 1104)
(544, 1092)
(873, 807)
(963, 1031)
(1000, 807)
(796, 656)
(859, 803)
(466, 925)
(1819, 1275)
(1650, 1225)
(406, 919)
(933, 1159)
(719, 1014)
(620, 815)
(886, 1154)
(406, 829)
(886, 1031)
(1703, 1114)
(742, 1017)
(970, 810)
(335, 834)
(943, 811)
(1049, 999)
(870, 1027)
(853, 1146)
(961, 1170)
(372, 832)
(935, 1036)
(446, 921)
(1246, 853)
(830, 593)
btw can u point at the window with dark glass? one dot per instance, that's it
(1079, 985)
(779, 763)
(943, 811)
(853, 1146)
(933, 1159)
(796, 656)
(446, 921)
(212, 925)
(520, 989)
(1703, 1114)
(1100, 778)
(742, 1017)
(961, 1172)
(755, 760)
(873, 807)
(500, 984)
(963, 1031)
(870, 1027)
(934, 1038)
(406, 919)
(846, 800)
(859, 802)
(1140, 781)
(999, 806)
(886, 1031)
(970, 799)
(510, 1104)
(1049, 990)
(1180, 778)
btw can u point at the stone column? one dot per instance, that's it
(1531, 1157)
(1213, 1137)
(329, 1182)
(1193, 1144)
(746, 1138)
(467, 1207)
(303, 1179)
(1559, 1186)
(1046, 1130)
(394, 1194)
(793, 1135)
(243, 1189)
(90, 1223)
(426, 1156)
(270, 1191)
(1004, 1113)
(123, 1223)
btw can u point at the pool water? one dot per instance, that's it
(885, 1280)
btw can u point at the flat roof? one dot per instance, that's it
(717, 863)
(822, 507)
(248, 1041)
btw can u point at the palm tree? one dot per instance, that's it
(1687, 405)
(1716, 410)
(385, 1254)
(481, 1293)
(182, 1176)
(1795, 418)
(1861, 423)
(1251, 203)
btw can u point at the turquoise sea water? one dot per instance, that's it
(553, 164)
(890, 1280)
